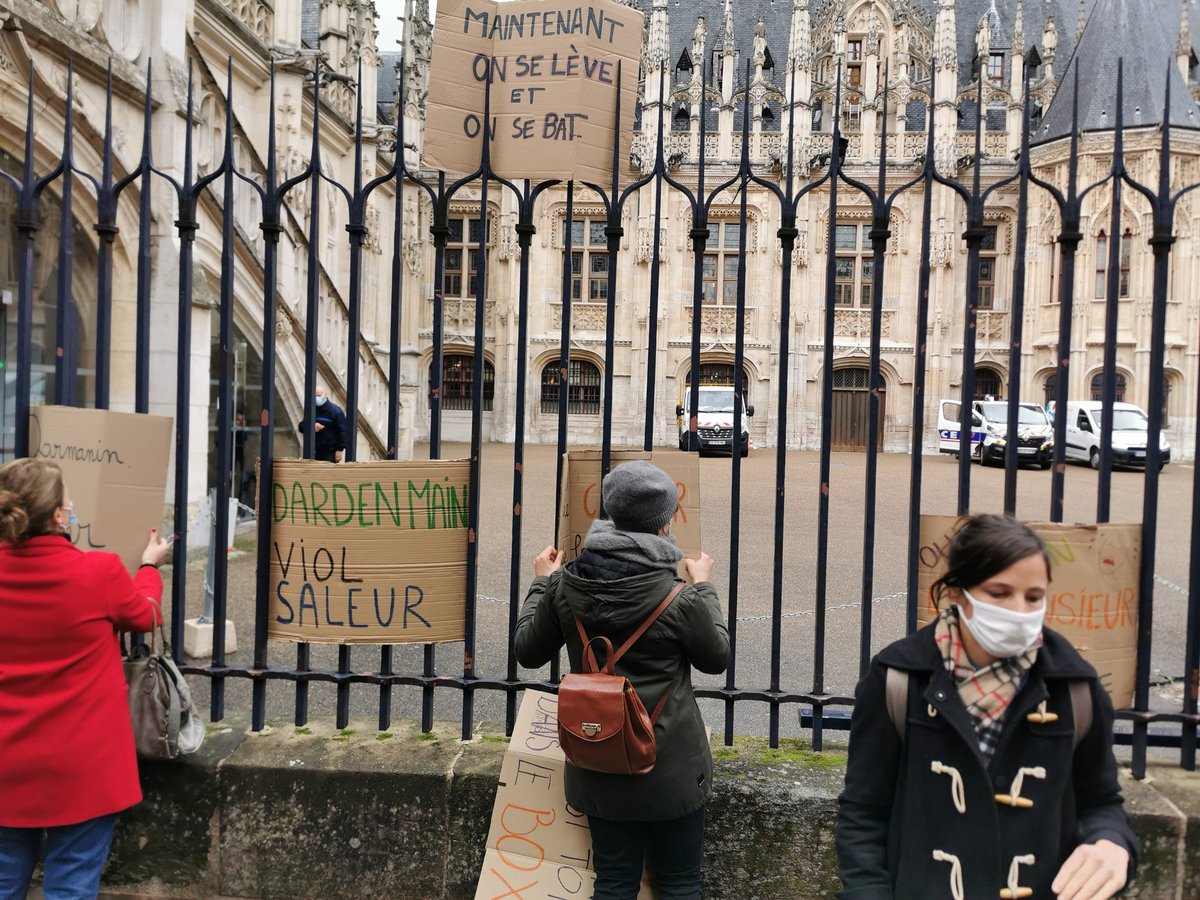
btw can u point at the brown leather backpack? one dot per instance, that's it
(602, 724)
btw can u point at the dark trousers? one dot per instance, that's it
(676, 849)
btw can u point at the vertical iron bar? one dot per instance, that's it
(699, 236)
(476, 468)
(187, 227)
(564, 356)
(220, 564)
(141, 381)
(822, 582)
(920, 358)
(271, 229)
(1112, 306)
(1069, 239)
(27, 228)
(787, 239)
(65, 359)
(613, 233)
(1160, 243)
(655, 273)
(440, 230)
(525, 233)
(879, 234)
(106, 228)
(1016, 344)
(974, 237)
(312, 323)
(739, 364)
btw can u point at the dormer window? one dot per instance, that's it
(685, 62)
(854, 51)
(995, 68)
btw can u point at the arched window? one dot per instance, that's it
(583, 387)
(1126, 257)
(1051, 387)
(1101, 264)
(1166, 407)
(988, 384)
(458, 380)
(1098, 386)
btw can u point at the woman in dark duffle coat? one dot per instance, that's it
(988, 793)
(67, 759)
(627, 566)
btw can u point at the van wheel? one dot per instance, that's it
(683, 444)
(1094, 458)
(1045, 464)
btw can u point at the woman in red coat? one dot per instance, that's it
(67, 761)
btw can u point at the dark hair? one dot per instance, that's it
(31, 491)
(983, 547)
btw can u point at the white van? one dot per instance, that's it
(1129, 434)
(715, 420)
(989, 432)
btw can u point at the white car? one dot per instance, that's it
(1130, 434)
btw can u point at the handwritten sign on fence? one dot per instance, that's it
(369, 552)
(581, 496)
(115, 468)
(1093, 598)
(554, 68)
(538, 847)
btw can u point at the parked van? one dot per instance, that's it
(989, 432)
(1130, 426)
(715, 420)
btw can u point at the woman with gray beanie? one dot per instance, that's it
(628, 564)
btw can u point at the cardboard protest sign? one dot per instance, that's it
(538, 847)
(554, 68)
(581, 496)
(115, 468)
(1093, 599)
(371, 552)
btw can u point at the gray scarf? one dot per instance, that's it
(652, 550)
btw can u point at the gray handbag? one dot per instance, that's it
(165, 723)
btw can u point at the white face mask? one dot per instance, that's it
(1002, 632)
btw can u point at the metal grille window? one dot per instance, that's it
(589, 260)
(854, 266)
(1097, 386)
(987, 268)
(1101, 264)
(1126, 254)
(988, 384)
(721, 263)
(1050, 387)
(458, 379)
(583, 388)
(462, 257)
(857, 379)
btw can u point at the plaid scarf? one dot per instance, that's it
(985, 692)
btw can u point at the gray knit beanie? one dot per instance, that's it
(639, 496)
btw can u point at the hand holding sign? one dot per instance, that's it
(157, 551)
(547, 562)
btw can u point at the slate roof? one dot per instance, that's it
(386, 91)
(310, 22)
(1145, 34)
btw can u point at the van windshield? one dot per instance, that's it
(1026, 415)
(1128, 420)
(716, 401)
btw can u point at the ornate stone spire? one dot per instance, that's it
(945, 45)
(800, 39)
(658, 38)
(1080, 21)
(1184, 47)
(727, 36)
(1018, 35)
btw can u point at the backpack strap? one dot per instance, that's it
(650, 620)
(896, 696)
(1081, 708)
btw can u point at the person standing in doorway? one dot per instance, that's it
(329, 423)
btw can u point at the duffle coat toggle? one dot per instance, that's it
(1013, 797)
(1014, 891)
(1041, 716)
(956, 879)
(957, 792)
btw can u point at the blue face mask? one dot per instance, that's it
(72, 519)
(320, 401)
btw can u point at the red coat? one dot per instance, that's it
(66, 742)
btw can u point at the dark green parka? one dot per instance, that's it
(690, 632)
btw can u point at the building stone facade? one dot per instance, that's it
(926, 53)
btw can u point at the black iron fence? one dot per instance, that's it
(826, 176)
